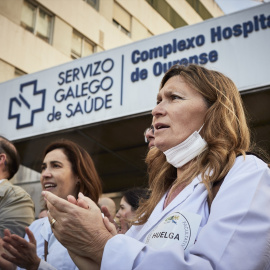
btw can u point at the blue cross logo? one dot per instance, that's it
(29, 102)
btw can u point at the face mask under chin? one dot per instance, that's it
(187, 150)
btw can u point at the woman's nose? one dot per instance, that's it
(46, 173)
(118, 214)
(159, 109)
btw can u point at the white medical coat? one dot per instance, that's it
(235, 235)
(58, 257)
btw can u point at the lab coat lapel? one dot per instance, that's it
(159, 213)
(46, 230)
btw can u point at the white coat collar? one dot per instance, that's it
(159, 213)
(46, 230)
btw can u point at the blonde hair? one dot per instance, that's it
(225, 131)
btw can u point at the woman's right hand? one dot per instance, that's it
(83, 263)
(22, 252)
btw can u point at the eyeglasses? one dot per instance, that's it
(150, 129)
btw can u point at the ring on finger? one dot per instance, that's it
(52, 222)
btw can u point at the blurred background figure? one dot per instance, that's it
(130, 203)
(16, 205)
(109, 204)
(43, 213)
(149, 136)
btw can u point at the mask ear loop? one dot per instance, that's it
(201, 128)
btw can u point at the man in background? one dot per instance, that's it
(16, 205)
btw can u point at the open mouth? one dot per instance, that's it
(49, 186)
(160, 126)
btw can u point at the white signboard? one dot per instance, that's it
(125, 80)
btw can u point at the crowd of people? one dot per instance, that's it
(205, 206)
(67, 170)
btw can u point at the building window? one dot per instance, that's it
(167, 12)
(81, 46)
(93, 3)
(121, 28)
(122, 19)
(200, 9)
(37, 20)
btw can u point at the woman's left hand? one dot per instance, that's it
(23, 253)
(124, 225)
(110, 226)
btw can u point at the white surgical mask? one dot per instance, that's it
(190, 148)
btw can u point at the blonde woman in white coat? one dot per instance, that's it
(201, 141)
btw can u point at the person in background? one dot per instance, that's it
(109, 204)
(130, 202)
(67, 169)
(149, 136)
(128, 206)
(16, 205)
(43, 213)
(202, 141)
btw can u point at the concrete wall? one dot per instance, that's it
(22, 49)
(6, 71)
